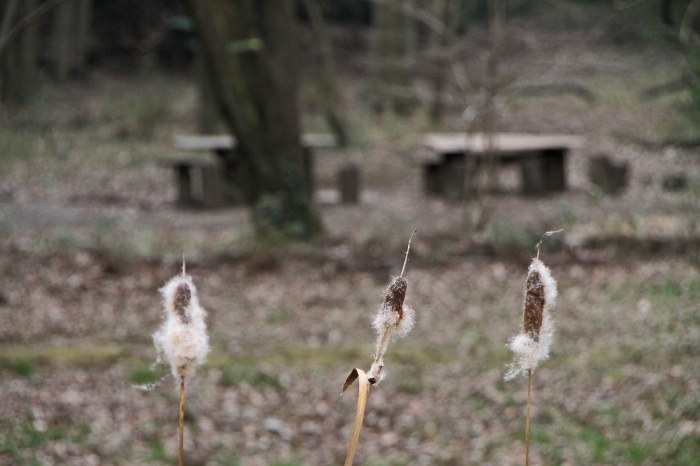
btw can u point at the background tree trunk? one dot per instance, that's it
(19, 63)
(490, 112)
(71, 31)
(63, 39)
(83, 29)
(667, 12)
(394, 42)
(249, 48)
(208, 115)
(8, 78)
(329, 94)
(438, 43)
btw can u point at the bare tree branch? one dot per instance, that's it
(7, 17)
(24, 23)
(687, 34)
(628, 5)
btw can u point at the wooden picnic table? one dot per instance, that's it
(208, 183)
(541, 158)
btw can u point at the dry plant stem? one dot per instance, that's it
(405, 259)
(362, 396)
(182, 422)
(379, 353)
(527, 419)
(393, 320)
(549, 233)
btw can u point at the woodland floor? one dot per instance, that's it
(90, 232)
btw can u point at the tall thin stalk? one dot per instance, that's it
(181, 454)
(393, 320)
(182, 338)
(532, 345)
(527, 419)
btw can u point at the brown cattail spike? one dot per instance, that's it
(181, 301)
(395, 296)
(534, 305)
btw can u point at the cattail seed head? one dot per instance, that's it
(393, 320)
(182, 338)
(395, 296)
(532, 345)
(181, 301)
(533, 308)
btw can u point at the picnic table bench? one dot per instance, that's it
(457, 156)
(210, 182)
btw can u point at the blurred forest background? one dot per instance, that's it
(291, 235)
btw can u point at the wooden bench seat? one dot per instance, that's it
(225, 142)
(456, 156)
(214, 182)
(199, 182)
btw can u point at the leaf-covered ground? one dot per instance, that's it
(621, 386)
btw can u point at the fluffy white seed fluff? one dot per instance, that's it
(182, 339)
(390, 326)
(528, 352)
(550, 284)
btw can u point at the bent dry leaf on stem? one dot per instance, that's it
(363, 394)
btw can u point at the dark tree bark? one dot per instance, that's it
(249, 49)
(393, 33)
(329, 94)
(63, 39)
(667, 12)
(19, 53)
(71, 30)
(439, 41)
(8, 79)
(208, 117)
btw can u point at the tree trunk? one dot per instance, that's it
(71, 31)
(63, 39)
(394, 42)
(490, 112)
(8, 78)
(29, 45)
(249, 48)
(83, 21)
(329, 94)
(19, 56)
(438, 43)
(208, 112)
(667, 12)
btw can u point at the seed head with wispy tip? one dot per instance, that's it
(532, 345)
(393, 320)
(182, 338)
